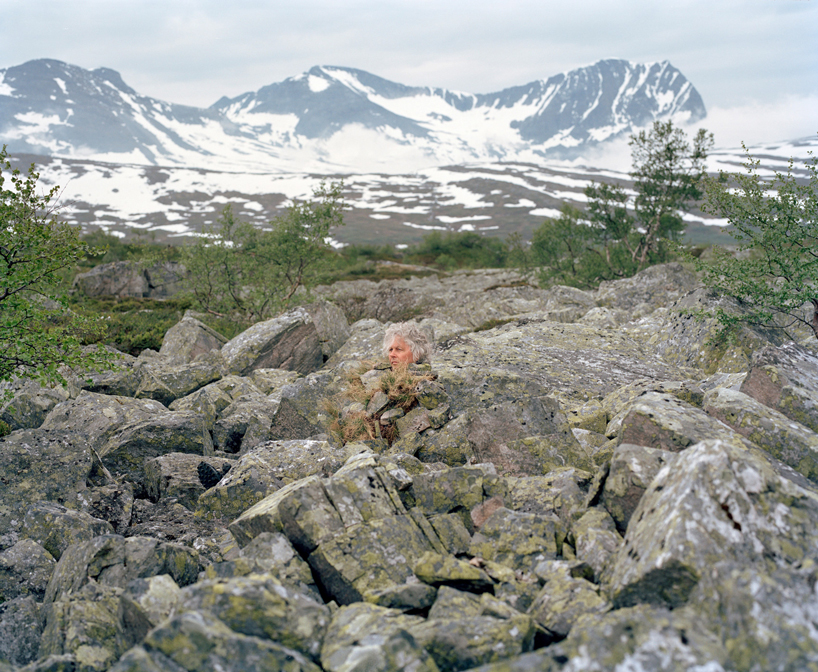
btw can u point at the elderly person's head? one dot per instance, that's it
(405, 343)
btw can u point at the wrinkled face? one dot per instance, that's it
(399, 352)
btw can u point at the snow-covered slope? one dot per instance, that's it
(334, 119)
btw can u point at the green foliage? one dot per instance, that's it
(467, 249)
(5, 430)
(107, 248)
(250, 274)
(774, 277)
(616, 237)
(38, 333)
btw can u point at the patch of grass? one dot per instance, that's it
(490, 324)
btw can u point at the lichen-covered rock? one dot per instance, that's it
(20, 630)
(663, 421)
(449, 444)
(363, 493)
(591, 416)
(331, 325)
(619, 401)
(460, 488)
(198, 642)
(631, 471)
(244, 424)
(518, 540)
(113, 503)
(410, 596)
(98, 416)
(564, 599)
(31, 403)
(37, 465)
(92, 626)
(364, 343)
(166, 382)
(357, 635)
(209, 401)
(127, 449)
(55, 527)
(562, 492)
(270, 553)
(683, 339)
(157, 596)
(532, 357)
(368, 557)
(442, 570)
(595, 539)
(289, 341)
(786, 379)
(118, 278)
(641, 638)
(269, 381)
(715, 503)
(452, 532)
(112, 560)
(651, 288)
(467, 642)
(302, 407)
(25, 569)
(262, 607)
(290, 461)
(167, 520)
(188, 339)
(176, 475)
(788, 440)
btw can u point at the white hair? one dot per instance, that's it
(413, 336)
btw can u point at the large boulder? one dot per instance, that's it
(331, 325)
(189, 339)
(176, 475)
(198, 642)
(20, 630)
(786, 379)
(112, 560)
(98, 416)
(261, 606)
(289, 341)
(41, 465)
(714, 503)
(534, 357)
(652, 288)
(55, 528)
(166, 383)
(119, 278)
(31, 403)
(126, 449)
(788, 440)
(25, 569)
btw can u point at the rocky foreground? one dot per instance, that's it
(588, 485)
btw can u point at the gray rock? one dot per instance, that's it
(92, 626)
(165, 279)
(269, 381)
(158, 597)
(631, 471)
(261, 606)
(167, 382)
(364, 343)
(20, 630)
(25, 569)
(112, 560)
(788, 440)
(188, 339)
(55, 527)
(518, 540)
(595, 539)
(30, 404)
(562, 492)
(118, 278)
(289, 341)
(126, 449)
(175, 475)
(199, 642)
(37, 465)
(786, 379)
(715, 503)
(331, 325)
(649, 289)
(113, 503)
(98, 416)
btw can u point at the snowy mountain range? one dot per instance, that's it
(334, 119)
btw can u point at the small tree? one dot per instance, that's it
(248, 273)
(618, 236)
(774, 277)
(38, 333)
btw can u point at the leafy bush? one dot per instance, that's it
(250, 274)
(616, 237)
(774, 277)
(38, 332)
(467, 249)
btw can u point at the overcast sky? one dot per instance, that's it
(755, 62)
